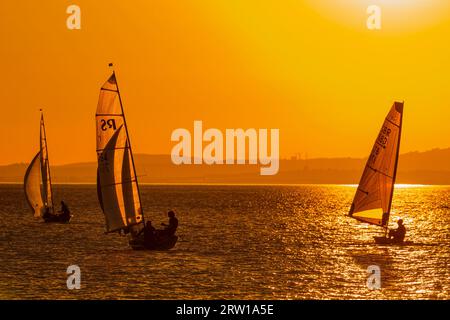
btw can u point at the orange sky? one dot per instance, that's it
(309, 68)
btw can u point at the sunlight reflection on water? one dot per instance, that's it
(242, 242)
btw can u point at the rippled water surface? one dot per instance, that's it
(241, 242)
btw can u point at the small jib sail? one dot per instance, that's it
(117, 185)
(373, 198)
(37, 181)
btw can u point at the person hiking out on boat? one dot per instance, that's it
(398, 235)
(170, 228)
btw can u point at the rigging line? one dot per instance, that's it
(121, 182)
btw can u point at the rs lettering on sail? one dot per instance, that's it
(108, 124)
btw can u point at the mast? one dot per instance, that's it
(129, 143)
(47, 160)
(396, 164)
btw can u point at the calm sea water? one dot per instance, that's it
(240, 242)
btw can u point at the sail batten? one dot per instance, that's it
(117, 185)
(373, 197)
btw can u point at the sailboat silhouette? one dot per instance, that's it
(117, 183)
(373, 198)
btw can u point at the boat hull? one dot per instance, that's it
(387, 241)
(161, 244)
(58, 219)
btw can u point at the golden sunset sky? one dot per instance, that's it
(308, 67)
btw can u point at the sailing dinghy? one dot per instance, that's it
(373, 199)
(117, 182)
(38, 183)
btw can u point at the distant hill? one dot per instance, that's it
(429, 167)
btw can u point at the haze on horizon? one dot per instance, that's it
(310, 69)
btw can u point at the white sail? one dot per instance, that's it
(373, 198)
(32, 186)
(117, 186)
(45, 169)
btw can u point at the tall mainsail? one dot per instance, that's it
(47, 195)
(117, 186)
(373, 198)
(32, 186)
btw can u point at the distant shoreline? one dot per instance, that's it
(425, 168)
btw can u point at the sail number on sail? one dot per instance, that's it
(382, 141)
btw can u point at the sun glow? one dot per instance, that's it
(397, 15)
(303, 66)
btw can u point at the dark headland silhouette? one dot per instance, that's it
(429, 167)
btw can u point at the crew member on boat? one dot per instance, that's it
(46, 215)
(398, 235)
(149, 234)
(170, 228)
(65, 212)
